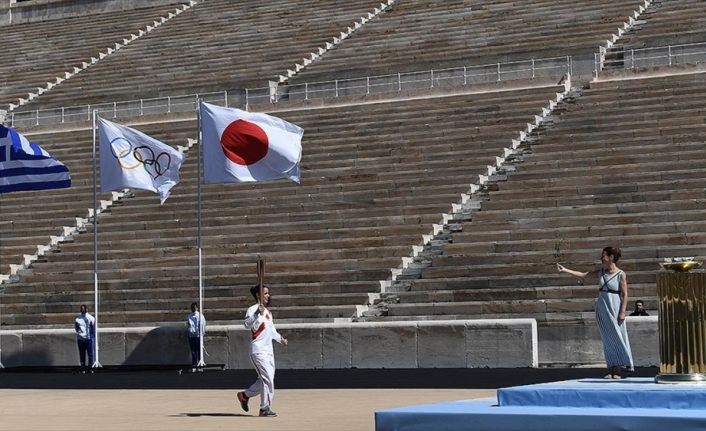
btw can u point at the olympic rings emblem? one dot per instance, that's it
(130, 157)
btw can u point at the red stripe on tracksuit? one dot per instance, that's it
(258, 331)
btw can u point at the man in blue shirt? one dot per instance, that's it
(197, 328)
(85, 327)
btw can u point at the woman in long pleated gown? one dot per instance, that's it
(610, 311)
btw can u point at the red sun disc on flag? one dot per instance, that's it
(244, 142)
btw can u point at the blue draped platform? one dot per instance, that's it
(577, 405)
(627, 393)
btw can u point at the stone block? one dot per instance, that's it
(111, 347)
(11, 349)
(581, 344)
(156, 346)
(441, 345)
(643, 333)
(570, 344)
(304, 350)
(238, 340)
(216, 345)
(49, 348)
(501, 343)
(336, 349)
(384, 345)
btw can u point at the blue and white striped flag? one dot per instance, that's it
(25, 165)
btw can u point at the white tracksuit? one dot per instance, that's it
(262, 355)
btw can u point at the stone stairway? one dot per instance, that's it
(675, 22)
(435, 247)
(375, 178)
(615, 55)
(620, 166)
(419, 35)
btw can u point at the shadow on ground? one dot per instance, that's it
(159, 378)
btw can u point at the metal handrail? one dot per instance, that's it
(667, 55)
(466, 75)
(457, 76)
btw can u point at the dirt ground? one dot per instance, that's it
(150, 410)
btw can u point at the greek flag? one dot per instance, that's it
(25, 165)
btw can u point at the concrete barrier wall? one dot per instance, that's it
(433, 344)
(581, 344)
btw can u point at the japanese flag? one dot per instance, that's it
(240, 146)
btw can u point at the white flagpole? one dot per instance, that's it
(199, 244)
(2, 292)
(96, 362)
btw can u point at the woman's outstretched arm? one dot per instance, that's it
(577, 274)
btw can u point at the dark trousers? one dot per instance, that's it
(85, 346)
(195, 347)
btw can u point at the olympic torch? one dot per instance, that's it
(261, 277)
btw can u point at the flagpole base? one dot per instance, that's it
(96, 365)
(201, 364)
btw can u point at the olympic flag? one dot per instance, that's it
(132, 159)
(25, 166)
(240, 146)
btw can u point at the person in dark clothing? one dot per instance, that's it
(639, 309)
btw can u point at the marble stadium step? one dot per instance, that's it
(549, 244)
(597, 230)
(340, 274)
(613, 198)
(98, 32)
(633, 257)
(669, 23)
(495, 307)
(236, 258)
(453, 281)
(476, 265)
(176, 263)
(587, 220)
(507, 192)
(543, 319)
(597, 210)
(166, 302)
(196, 62)
(189, 284)
(123, 318)
(641, 291)
(405, 38)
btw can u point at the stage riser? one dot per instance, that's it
(575, 405)
(484, 415)
(628, 393)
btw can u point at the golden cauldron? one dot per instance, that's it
(681, 266)
(682, 322)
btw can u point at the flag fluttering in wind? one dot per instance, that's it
(25, 166)
(240, 146)
(132, 159)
